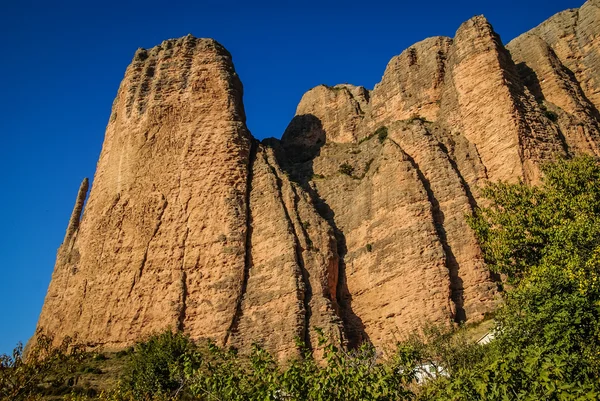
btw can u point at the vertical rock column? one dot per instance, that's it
(485, 100)
(162, 240)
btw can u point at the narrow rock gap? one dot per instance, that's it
(591, 109)
(306, 292)
(456, 283)
(235, 321)
(145, 256)
(183, 308)
(353, 326)
(182, 311)
(563, 140)
(467, 188)
(530, 81)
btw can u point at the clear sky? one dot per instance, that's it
(61, 64)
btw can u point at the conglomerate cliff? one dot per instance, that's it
(354, 222)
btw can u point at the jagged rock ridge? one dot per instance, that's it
(355, 221)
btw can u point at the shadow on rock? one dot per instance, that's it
(300, 144)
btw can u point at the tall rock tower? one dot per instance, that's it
(163, 237)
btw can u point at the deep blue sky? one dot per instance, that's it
(61, 64)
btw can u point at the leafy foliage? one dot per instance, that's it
(529, 374)
(157, 365)
(382, 133)
(530, 230)
(545, 241)
(347, 169)
(416, 117)
(45, 365)
(550, 115)
(357, 375)
(210, 372)
(442, 350)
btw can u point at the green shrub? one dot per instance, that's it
(157, 365)
(99, 357)
(352, 376)
(46, 368)
(346, 169)
(93, 370)
(369, 248)
(364, 139)
(550, 115)
(382, 133)
(124, 352)
(546, 241)
(416, 117)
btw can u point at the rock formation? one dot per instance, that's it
(354, 222)
(559, 62)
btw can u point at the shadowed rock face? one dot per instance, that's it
(361, 231)
(559, 61)
(574, 39)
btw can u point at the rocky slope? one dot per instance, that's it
(354, 222)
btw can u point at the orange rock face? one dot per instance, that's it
(559, 61)
(162, 240)
(354, 222)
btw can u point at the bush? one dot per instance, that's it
(513, 375)
(92, 370)
(124, 352)
(99, 357)
(357, 375)
(45, 365)
(382, 133)
(550, 115)
(546, 241)
(157, 365)
(416, 117)
(210, 372)
(346, 169)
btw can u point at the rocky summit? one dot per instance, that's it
(354, 222)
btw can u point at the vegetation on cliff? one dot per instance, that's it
(545, 242)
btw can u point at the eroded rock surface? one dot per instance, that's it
(162, 240)
(354, 222)
(412, 83)
(559, 61)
